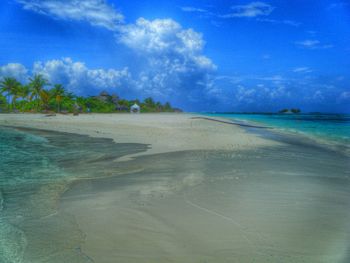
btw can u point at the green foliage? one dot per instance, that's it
(3, 103)
(96, 105)
(37, 97)
(149, 105)
(11, 87)
(295, 110)
(283, 111)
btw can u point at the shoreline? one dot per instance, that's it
(186, 127)
(163, 132)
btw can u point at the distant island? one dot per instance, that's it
(40, 96)
(295, 111)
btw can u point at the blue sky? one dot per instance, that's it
(199, 55)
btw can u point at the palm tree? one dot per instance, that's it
(16, 93)
(45, 98)
(37, 84)
(25, 92)
(58, 92)
(10, 86)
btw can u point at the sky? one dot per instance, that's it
(199, 55)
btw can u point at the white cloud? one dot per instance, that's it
(169, 64)
(257, 10)
(302, 70)
(95, 12)
(313, 44)
(311, 32)
(161, 36)
(14, 70)
(77, 77)
(193, 9)
(174, 64)
(345, 96)
(284, 22)
(253, 9)
(169, 78)
(318, 95)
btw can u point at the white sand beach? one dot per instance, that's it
(164, 132)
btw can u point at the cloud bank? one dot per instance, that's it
(14, 70)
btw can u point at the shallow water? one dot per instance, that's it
(36, 168)
(333, 128)
(282, 204)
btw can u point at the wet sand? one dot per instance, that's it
(273, 204)
(270, 205)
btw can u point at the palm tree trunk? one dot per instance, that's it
(13, 103)
(8, 102)
(37, 103)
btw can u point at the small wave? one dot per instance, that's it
(12, 240)
(13, 243)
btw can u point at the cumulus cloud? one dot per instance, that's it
(95, 12)
(260, 95)
(252, 9)
(166, 79)
(161, 36)
(14, 70)
(77, 77)
(170, 64)
(174, 62)
(271, 93)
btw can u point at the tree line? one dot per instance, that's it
(38, 95)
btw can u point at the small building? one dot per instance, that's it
(103, 97)
(135, 108)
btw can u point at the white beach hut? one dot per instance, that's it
(135, 108)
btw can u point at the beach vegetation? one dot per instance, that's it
(11, 88)
(38, 95)
(293, 110)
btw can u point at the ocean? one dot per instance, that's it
(332, 128)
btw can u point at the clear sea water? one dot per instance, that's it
(36, 168)
(333, 128)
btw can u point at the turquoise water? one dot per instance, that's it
(330, 127)
(36, 168)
